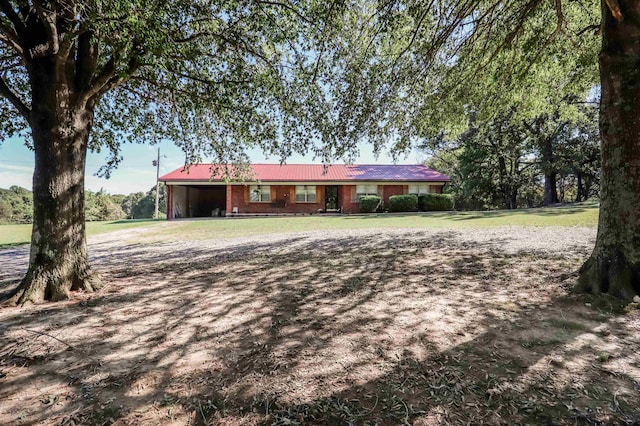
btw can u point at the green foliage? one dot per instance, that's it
(369, 203)
(403, 203)
(502, 163)
(100, 206)
(412, 70)
(140, 205)
(216, 77)
(435, 202)
(16, 205)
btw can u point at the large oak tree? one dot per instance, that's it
(215, 76)
(421, 60)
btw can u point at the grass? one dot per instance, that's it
(15, 235)
(583, 214)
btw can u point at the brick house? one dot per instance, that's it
(292, 188)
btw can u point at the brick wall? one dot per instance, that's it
(346, 194)
(390, 190)
(282, 200)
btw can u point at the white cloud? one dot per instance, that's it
(26, 169)
(13, 174)
(8, 179)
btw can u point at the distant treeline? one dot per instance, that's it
(509, 163)
(16, 205)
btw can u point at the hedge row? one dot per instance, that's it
(403, 203)
(435, 202)
(408, 203)
(369, 203)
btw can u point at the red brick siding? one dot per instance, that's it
(346, 197)
(436, 189)
(389, 190)
(282, 200)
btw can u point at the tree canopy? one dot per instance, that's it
(420, 69)
(216, 77)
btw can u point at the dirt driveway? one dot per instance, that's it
(358, 327)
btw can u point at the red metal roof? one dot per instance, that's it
(315, 173)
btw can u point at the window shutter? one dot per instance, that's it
(354, 196)
(246, 194)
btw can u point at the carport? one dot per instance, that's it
(197, 200)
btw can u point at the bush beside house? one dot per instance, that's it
(369, 203)
(435, 202)
(403, 203)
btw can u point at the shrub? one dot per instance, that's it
(435, 202)
(369, 203)
(403, 203)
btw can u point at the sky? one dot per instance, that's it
(136, 172)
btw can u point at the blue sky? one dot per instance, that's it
(136, 172)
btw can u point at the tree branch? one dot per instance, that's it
(614, 7)
(8, 94)
(108, 79)
(48, 19)
(286, 6)
(87, 60)
(10, 38)
(15, 20)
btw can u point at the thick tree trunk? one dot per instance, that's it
(614, 265)
(58, 262)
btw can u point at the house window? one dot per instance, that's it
(305, 194)
(362, 190)
(419, 189)
(260, 193)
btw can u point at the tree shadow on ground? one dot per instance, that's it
(360, 329)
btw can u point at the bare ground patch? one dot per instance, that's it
(374, 326)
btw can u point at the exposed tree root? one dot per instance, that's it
(54, 284)
(609, 272)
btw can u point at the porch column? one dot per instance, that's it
(169, 201)
(228, 201)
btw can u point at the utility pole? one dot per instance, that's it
(157, 164)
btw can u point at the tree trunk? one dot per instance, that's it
(550, 191)
(58, 261)
(513, 199)
(614, 265)
(580, 189)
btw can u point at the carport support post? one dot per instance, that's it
(227, 203)
(169, 201)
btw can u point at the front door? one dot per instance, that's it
(331, 199)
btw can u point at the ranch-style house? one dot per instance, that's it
(292, 188)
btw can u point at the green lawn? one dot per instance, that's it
(584, 214)
(13, 235)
